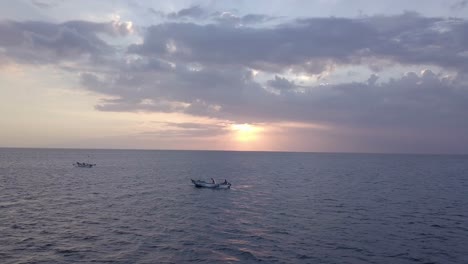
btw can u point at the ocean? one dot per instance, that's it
(139, 206)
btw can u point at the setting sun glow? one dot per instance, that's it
(245, 132)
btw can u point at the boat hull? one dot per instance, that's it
(83, 165)
(203, 184)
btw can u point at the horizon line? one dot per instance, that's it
(225, 150)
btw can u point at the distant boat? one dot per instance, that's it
(83, 165)
(212, 185)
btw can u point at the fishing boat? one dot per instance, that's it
(83, 165)
(212, 185)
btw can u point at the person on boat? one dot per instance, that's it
(213, 181)
(225, 181)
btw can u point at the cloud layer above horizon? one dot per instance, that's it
(386, 77)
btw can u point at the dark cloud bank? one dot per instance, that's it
(208, 68)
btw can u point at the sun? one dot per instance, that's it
(245, 132)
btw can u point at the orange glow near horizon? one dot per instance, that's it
(246, 132)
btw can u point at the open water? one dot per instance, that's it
(140, 207)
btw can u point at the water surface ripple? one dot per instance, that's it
(139, 207)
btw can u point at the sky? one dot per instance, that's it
(317, 75)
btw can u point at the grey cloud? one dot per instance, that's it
(413, 101)
(255, 18)
(232, 92)
(45, 3)
(206, 69)
(191, 12)
(41, 42)
(459, 5)
(281, 83)
(254, 47)
(232, 19)
(227, 18)
(222, 86)
(407, 38)
(199, 13)
(372, 79)
(201, 89)
(418, 40)
(146, 64)
(156, 12)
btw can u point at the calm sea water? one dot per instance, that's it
(140, 207)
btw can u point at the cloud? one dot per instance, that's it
(265, 48)
(43, 42)
(187, 130)
(191, 12)
(46, 3)
(407, 39)
(211, 73)
(224, 87)
(200, 14)
(459, 5)
(413, 100)
(281, 83)
(256, 18)
(228, 18)
(210, 69)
